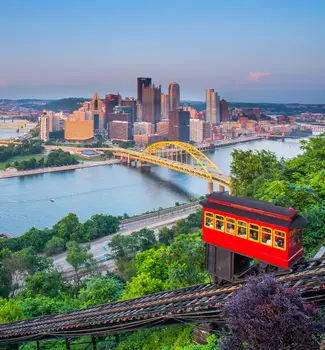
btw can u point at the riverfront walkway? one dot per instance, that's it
(87, 164)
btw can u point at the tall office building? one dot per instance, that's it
(111, 101)
(44, 127)
(164, 106)
(212, 113)
(224, 111)
(132, 103)
(151, 104)
(142, 83)
(174, 96)
(200, 130)
(179, 125)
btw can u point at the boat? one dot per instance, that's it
(51, 200)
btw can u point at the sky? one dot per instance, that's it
(247, 50)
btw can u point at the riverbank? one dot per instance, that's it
(88, 164)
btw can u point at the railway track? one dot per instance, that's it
(201, 303)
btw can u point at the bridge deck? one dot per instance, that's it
(201, 303)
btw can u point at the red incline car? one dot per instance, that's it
(253, 228)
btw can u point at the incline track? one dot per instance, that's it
(201, 303)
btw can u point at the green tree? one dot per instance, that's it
(5, 282)
(314, 233)
(79, 257)
(10, 311)
(48, 283)
(166, 235)
(69, 228)
(54, 246)
(100, 290)
(247, 166)
(186, 261)
(100, 225)
(151, 274)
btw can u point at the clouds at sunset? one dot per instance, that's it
(256, 76)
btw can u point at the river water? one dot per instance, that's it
(114, 189)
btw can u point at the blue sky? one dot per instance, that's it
(248, 50)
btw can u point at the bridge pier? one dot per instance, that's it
(210, 187)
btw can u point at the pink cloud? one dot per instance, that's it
(2, 83)
(256, 76)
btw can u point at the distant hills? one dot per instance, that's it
(268, 108)
(68, 105)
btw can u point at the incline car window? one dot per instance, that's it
(266, 236)
(230, 225)
(208, 219)
(253, 232)
(279, 239)
(241, 229)
(220, 223)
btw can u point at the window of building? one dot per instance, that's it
(253, 232)
(220, 223)
(266, 236)
(208, 220)
(230, 226)
(279, 239)
(241, 229)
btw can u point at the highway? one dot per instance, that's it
(155, 221)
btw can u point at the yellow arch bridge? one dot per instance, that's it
(178, 156)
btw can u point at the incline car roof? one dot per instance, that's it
(222, 202)
(251, 203)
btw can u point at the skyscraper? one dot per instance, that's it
(44, 127)
(179, 125)
(151, 104)
(97, 110)
(212, 113)
(132, 103)
(164, 106)
(224, 111)
(141, 83)
(174, 96)
(111, 101)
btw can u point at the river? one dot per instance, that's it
(114, 189)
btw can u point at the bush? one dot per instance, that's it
(264, 315)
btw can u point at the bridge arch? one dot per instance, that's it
(202, 162)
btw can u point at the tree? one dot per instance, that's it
(5, 282)
(10, 311)
(101, 290)
(36, 238)
(78, 257)
(100, 225)
(166, 235)
(247, 166)
(186, 260)
(48, 283)
(69, 228)
(17, 266)
(144, 239)
(54, 246)
(151, 274)
(266, 316)
(314, 233)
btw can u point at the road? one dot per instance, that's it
(154, 221)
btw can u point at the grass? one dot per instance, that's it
(20, 158)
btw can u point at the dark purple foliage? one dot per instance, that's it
(266, 316)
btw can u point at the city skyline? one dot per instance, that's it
(253, 52)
